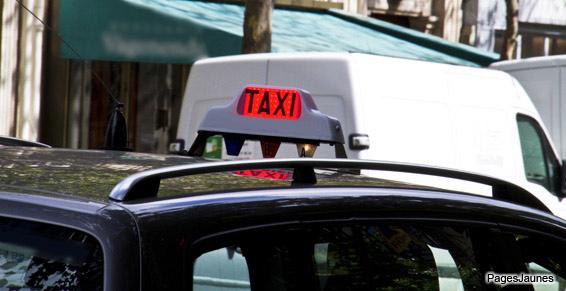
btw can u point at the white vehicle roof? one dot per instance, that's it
(254, 69)
(530, 63)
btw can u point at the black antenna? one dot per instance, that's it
(117, 130)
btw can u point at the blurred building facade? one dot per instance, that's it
(480, 23)
(542, 27)
(21, 67)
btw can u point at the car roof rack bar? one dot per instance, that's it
(12, 141)
(146, 184)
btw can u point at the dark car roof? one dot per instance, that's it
(92, 174)
(84, 173)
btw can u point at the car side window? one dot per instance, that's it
(221, 269)
(37, 256)
(344, 258)
(381, 257)
(545, 257)
(558, 285)
(540, 165)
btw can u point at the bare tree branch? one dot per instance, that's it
(510, 38)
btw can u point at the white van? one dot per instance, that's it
(464, 118)
(544, 79)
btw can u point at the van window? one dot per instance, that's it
(541, 166)
(37, 256)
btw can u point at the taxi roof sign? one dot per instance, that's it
(265, 102)
(269, 113)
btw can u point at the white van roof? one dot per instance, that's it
(531, 63)
(345, 67)
(310, 56)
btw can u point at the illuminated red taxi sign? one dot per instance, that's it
(271, 115)
(265, 102)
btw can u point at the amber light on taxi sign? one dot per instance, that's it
(268, 102)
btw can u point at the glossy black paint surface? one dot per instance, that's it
(148, 244)
(92, 175)
(167, 233)
(174, 230)
(139, 185)
(75, 173)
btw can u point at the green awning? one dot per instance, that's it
(181, 31)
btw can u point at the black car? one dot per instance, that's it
(104, 220)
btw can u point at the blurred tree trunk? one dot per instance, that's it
(257, 26)
(510, 37)
(469, 22)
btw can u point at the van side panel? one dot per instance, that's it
(446, 116)
(215, 82)
(397, 114)
(329, 82)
